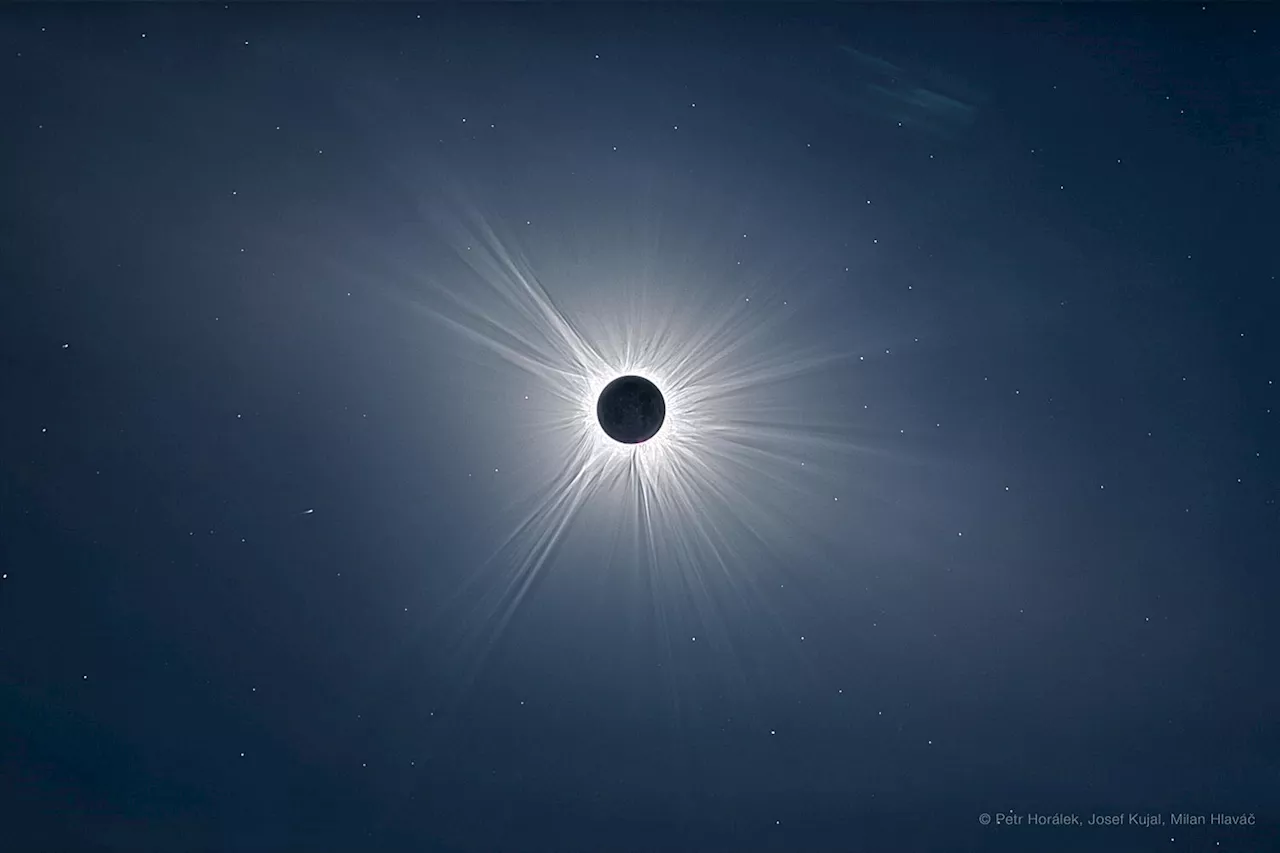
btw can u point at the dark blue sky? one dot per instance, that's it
(966, 502)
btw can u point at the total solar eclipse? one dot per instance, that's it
(631, 409)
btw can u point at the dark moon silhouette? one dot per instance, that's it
(631, 409)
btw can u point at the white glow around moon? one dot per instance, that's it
(720, 487)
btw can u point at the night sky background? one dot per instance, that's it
(255, 478)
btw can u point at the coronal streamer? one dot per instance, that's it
(718, 489)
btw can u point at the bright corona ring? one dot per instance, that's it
(668, 423)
